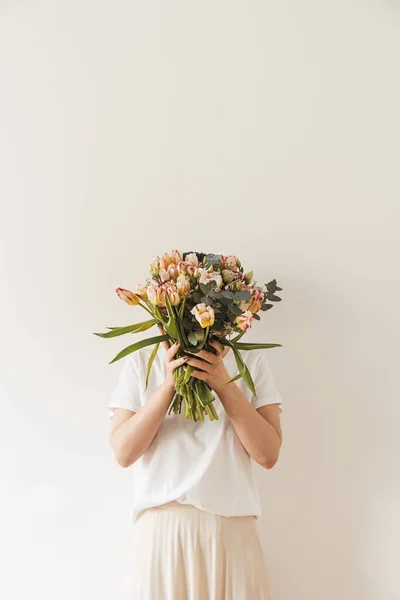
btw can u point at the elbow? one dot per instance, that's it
(268, 462)
(123, 458)
(123, 461)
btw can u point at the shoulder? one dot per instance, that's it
(252, 357)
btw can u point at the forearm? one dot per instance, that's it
(132, 437)
(258, 436)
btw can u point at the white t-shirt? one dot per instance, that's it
(203, 464)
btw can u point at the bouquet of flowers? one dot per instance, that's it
(193, 297)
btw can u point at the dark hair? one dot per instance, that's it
(200, 255)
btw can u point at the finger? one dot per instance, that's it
(179, 361)
(199, 375)
(207, 356)
(200, 364)
(217, 345)
(173, 350)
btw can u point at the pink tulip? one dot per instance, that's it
(155, 266)
(244, 320)
(176, 256)
(191, 270)
(173, 295)
(183, 285)
(191, 259)
(164, 275)
(128, 296)
(153, 294)
(141, 291)
(165, 261)
(181, 266)
(173, 271)
(207, 277)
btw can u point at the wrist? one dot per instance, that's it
(168, 385)
(224, 390)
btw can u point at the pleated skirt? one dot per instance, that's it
(179, 552)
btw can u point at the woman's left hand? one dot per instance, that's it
(209, 367)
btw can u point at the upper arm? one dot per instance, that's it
(271, 413)
(127, 393)
(267, 392)
(120, 416)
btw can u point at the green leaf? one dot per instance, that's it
(273, 298)
(266, 306)
(192, 338)
(245, 371)
(242, 295)
(202, 392)
(150, 362)
(171, 327)
(136, 328)
(212, 259)
(235, 309)
(228, 294)
(188, 372)
(141, 344)
(196, 297)
(206, 289)
(248, 346)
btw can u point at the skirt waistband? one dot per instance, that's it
(174, 505)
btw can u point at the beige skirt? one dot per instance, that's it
(179, 552)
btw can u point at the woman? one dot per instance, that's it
(195, 501)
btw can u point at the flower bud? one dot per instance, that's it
(128, 296)
(248, 276)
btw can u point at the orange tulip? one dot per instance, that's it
(204, 314)
(256, 300)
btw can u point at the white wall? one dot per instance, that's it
(266, 129)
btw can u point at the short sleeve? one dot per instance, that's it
(266, 389)
(126, 393)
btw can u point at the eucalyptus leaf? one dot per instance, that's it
(197, 297)
(205, 289)
(266, 306)
(242, 295)
(235, 309)
(228, 294)
(273, 298)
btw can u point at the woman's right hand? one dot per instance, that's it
(172, 363)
